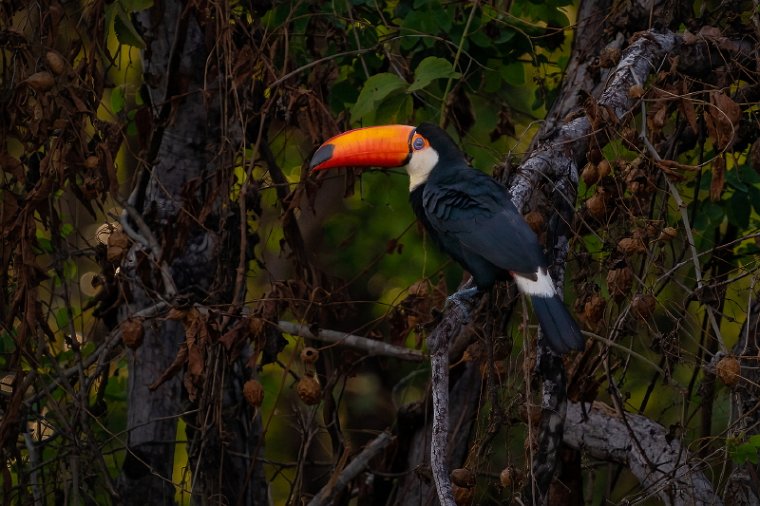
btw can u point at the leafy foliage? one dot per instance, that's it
(662, 286)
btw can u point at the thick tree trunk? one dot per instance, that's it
(175, 216)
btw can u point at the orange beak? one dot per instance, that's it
(378, 146)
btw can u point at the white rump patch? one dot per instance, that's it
(420, 165)
(543, 286)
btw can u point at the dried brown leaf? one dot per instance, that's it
(718, 178)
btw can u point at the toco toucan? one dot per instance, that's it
(468, 214)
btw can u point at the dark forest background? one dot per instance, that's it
(188, 316)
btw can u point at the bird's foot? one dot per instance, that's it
(463, 299)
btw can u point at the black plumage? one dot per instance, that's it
(471, 217)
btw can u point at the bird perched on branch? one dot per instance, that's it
(468, 215)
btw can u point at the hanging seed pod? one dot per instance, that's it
(118, 244)
(463, 496)
(507, 476)
(603, 168)
(132, 333)
(728, 371)
(309, 355)
(643, 305)
(463, 477)
(55, 62)
(619, 282)
(40, 81)
(668, 234)
(593, 309)
(596, 206)
(253, 391)
(590, 174)
(631, 245)
(308, 390)
(536, 221)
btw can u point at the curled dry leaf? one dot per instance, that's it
(718, 178)
(40, 81)
(722, 119)
(636, 91)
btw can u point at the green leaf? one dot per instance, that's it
(396, 109)
(126, 32)
(430, 69)
(117, 99)
(513, 73)
(375, 90)
(739, 209)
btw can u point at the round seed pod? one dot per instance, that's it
(597, 207)
(609, 57)
(643, 305)
(308, 390)
(253, 391)
(309, 355)
(536, 221)
(668, 234)
(619, 282)
(631, 245)
(118, 244)
(55, 62)
(463, 477)
(463, 496)
(590, 174)
(593, 309)
(728, 371)
(507, 476)
(132, 333)
(40, 81)
(604, 168)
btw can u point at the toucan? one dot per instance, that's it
(467, 214)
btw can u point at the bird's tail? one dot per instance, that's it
(560, 329)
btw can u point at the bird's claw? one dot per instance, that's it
(462, 299)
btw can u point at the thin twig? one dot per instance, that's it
(371, 346)
(352, 470)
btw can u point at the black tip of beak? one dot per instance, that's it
(324, 153)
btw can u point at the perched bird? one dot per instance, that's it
(467, 214)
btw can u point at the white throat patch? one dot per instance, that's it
(420, 165)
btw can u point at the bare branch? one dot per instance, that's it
(675, 478)
(351, 471)
(371, 346)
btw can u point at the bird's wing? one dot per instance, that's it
(475, 215)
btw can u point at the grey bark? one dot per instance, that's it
(175, 259)
(743, 487)
(659, 461)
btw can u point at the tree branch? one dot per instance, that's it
(674, 478)
(351, 471)
(371, 346)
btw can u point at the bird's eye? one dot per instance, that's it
(418, 143)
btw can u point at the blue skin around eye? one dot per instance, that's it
(418, 143)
